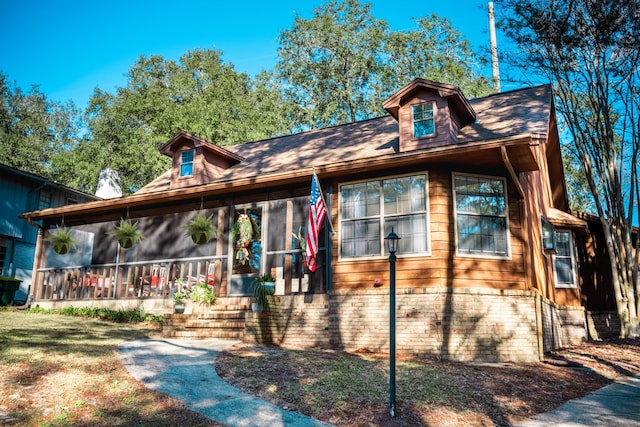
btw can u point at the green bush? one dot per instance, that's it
(136, 315)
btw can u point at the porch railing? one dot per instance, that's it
(142, 279)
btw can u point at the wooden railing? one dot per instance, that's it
(143, 279)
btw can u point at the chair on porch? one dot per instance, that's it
(211, 277)
(154, 284)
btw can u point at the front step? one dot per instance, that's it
(219, 323)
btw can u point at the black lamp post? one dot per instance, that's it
(392, 246)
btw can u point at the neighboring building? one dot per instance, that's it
(19, 192)
(487, 266)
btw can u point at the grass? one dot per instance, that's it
(63, 370)
(59, 370)
(352, 389)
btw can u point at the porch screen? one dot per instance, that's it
(368, 211)
(481, 215)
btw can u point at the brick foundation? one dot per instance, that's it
(460, 324)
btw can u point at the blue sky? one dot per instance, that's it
(69, 48)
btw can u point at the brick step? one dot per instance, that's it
(223, 315)
(216, 324)
(231, 307)
(204, 333)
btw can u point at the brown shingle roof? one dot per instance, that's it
(503, 115)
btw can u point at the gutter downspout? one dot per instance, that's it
(526, 249)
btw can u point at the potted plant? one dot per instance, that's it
(127, 233)
(242, 237)
(261, 294)
(269, 282)
(201, 229)
(180, 298)
(61, 240)
(202, 294)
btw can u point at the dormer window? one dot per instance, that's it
(423, 123)
(186, 163)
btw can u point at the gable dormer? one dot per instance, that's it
(195, 160)
(429, 114)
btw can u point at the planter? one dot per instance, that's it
(271, 287)
(178, 308)
(257, 307)
(200, 240)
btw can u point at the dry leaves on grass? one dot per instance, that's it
(64, 371)
(352, 390)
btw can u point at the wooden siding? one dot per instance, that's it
(444, 126)
(443, 268)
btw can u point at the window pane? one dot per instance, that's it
(186, 163)
(404, 195)
(360, 238)
(423, 123)
(562, 244)
(412, 230)
(187, 156)
(482, 235)
(564, 271)
(360, 200)
(186, 170)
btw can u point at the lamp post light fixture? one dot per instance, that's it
(392, 246)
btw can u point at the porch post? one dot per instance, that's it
(38, 262)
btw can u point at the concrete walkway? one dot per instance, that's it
(616, 405)
(184, 369)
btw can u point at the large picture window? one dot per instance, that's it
(368, 211)
(564, 260)
(481, 216)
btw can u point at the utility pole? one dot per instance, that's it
(495, 71)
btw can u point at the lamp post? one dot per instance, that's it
(392, 246)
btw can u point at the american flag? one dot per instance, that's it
(317, 211)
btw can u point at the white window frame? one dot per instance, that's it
(574, 263)
(192, 162)
(414, 121)
(506, 256)
(381, 216)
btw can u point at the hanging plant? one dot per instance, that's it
(61, 240)
(201, 229)
(127, 233)
(242, 236)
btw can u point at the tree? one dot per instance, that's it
(327, 65)
(340, 65)
(590, 50)
(199, 94)
(35, 131)
(437, 51)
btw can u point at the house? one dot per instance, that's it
(22, 191)
(487, 263)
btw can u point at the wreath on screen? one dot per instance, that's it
(242, 236)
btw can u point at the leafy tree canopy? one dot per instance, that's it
(199, 94)
(340, 65)
(34, 130)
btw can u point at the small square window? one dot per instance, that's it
(186, 163)
(423, 123)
